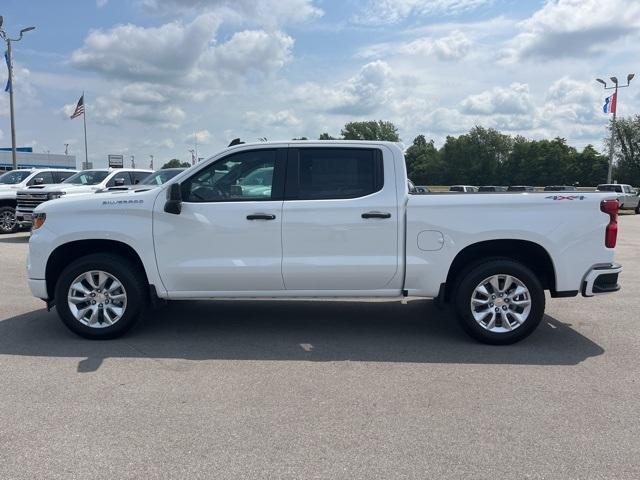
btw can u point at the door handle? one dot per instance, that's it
(376, 215)
(261, 216)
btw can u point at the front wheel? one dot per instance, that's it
(499, 301)
(101, 296)
(8, 222)
(638, 209)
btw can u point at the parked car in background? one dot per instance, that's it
(560, 188)
(463, 188)
(492, 188)
(15, 180)
(337, 222)
(415, 189)
(86, 181)
(153, 180)
(627, 195)
(520, 188)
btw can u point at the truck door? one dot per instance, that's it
(340, 220)
(227, 238)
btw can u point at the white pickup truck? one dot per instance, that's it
(318, 220)
(15, 180)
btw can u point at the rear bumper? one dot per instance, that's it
(601, 279)
(23, 218)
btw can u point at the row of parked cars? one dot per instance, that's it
(21, 191)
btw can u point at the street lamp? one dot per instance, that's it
(615, 109)
(9, 40)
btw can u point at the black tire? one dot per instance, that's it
(129, 275)
(638, 209)
(6, 226)
(474, 275)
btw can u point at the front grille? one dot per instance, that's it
(28, 201)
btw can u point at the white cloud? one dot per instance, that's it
(181, 54)
(202, 137)
(380, 12)
(574, 28)
(271, 13)
(280, 119)
(362, 94)
(453, 46)
(170, 51)
(515, 100)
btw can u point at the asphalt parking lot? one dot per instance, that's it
(321, 390)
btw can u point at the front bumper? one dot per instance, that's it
(601, 279)
(23, 218)
(38, 288)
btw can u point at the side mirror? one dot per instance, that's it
(174, 199)
(118, 182)
(38, 181)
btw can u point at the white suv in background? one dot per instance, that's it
(86, 181)
(13, 181)
(627, 195)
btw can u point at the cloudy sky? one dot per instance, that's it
(158, 73)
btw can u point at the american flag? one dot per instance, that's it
(79, 108)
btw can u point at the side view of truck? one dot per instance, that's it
(331, 219)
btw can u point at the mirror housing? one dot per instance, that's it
(174, 199)
(38, 181)
(118, 182)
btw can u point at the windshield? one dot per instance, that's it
(14, 177)
(87, 177)
(160, 177)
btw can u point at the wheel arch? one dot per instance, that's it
(68, 252)
(8, 202)
(529, 253)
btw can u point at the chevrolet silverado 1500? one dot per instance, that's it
(319, 220)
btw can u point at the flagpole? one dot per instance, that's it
(84, 120)
(613, 131)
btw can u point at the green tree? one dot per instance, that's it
(627, 150)
(476, 158)
(326, 136)
(424, 165)
(175, 163)
(370, 130)
(300, 138)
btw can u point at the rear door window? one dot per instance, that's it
(334, 173)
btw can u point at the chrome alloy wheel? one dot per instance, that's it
(501, 303)
(97, 299)
(7, 221)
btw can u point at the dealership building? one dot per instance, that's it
(27, 159)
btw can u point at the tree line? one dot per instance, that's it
(484, 156)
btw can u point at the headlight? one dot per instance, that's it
(54, 195)
(37, 220)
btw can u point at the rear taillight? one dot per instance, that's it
(610, 207)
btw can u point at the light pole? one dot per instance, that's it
(614, 109)
(8, 40)
(133, 161)
(151, 164)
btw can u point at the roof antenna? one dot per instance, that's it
(235, 141)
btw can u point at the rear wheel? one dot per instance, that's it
(8, 222)
(101, 296)
(638, 209)
(499, 301)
